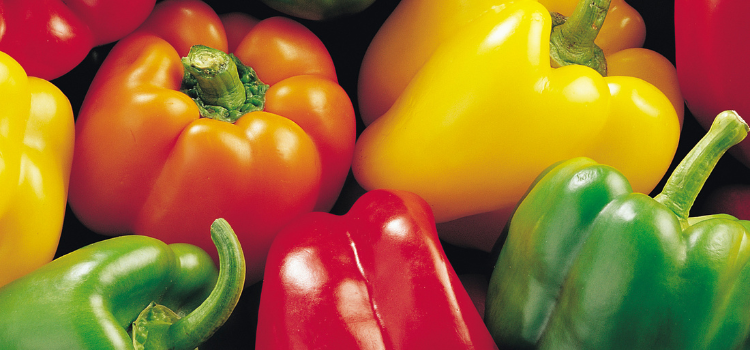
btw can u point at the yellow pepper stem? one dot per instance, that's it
(572, 38)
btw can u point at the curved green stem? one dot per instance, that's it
(159, 328)
(686, 181)
(221, 86)
(199, 325)
(572, 42)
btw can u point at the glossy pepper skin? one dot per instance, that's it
(50, 37)
(589, 264)
(99, 296)
(36, 152)
(416, 28)
(319, 10)
(146, 162)
(374, 278)
(470, 142)
(709, 54)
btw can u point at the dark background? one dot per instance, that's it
(347, 39)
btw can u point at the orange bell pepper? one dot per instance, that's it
(149, 160)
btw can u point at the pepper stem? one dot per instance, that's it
(222, 87)
(572, 42)
(159, 328)
(686, 181)
(199, 325)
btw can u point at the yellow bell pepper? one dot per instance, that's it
(487, 113)
(403, 44)
(621, 36)
(36, 151)
(416, 27)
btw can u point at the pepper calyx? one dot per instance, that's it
(222, 86)
(151, 329)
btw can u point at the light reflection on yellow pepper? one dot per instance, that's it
(36, 151)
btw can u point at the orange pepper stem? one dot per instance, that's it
(222, 86)
(682, 187)
(572, 42)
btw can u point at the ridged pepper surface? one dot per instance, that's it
(374, 278)
(416, 28)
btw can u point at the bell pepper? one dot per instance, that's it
(51, 37)
(129, 292)
(36, 152)
(416, 28)
(487, 113)
(709, 52)
(163, 148)
(373, 278)
(319, 10)
(589, 264)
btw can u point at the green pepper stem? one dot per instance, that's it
(222, 87)
(199, 325)
(686, 181)
(572, 42)
(217, 76)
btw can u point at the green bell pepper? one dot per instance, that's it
(319, 10)
(101, 296)
(588, 264)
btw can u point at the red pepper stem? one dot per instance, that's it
(686, 181)
(573, 41)
(199, 325)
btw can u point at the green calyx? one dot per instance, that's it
(159, 328)
(682, 187)
(223, 87)
(572, 38)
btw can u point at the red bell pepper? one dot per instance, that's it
(374, 278)
(732, 199)
(147, 160)
(711, 50)
(50, 37)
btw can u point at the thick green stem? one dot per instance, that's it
(221, 86)
(218, 80)
(572, 42)
(686, 181)
(199, 325)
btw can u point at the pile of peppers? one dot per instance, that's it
(361, 174)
